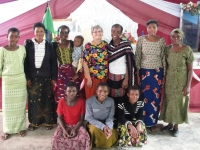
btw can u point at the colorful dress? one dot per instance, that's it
(97, 59)
(65, 70)
(120, 57)
(150, 60)
(13, 89)
(175, 105)
(71, 116)
(130, 113)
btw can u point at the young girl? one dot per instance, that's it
(71, 111)
(131, 127)
(13, 86)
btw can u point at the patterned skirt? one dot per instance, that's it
(151, 87)
(80, 142)
(126, 140)
(41, 105)
(65, 75)
(14, 96)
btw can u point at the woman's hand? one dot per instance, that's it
(73, 133)
(89, 82)
(132, 131)
(29, 83)
(125, 84)
(163, 80)
(107, 131)
(139, 128)
(138, 78)
(186, 90)
(66, 132)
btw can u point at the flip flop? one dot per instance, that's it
(4, 136)
(48, 127)
(31, 127)
(22, 133)
(153, 128)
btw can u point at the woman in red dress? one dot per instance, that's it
(69, 133)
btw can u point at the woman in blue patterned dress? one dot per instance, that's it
(150, 63)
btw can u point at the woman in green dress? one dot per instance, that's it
(13, 86)
(179, 58)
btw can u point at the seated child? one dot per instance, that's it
(131, 128)
(70, 134)
(100, 110)
(76, 55)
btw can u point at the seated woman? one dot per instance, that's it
(69, 133)
(100, 110)
(131, 128)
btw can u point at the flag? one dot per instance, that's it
(47, 19)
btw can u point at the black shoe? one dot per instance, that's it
(175, 132)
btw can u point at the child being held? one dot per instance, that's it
(76, 55)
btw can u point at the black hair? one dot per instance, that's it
(102, 84)
(118, 25)
(38, 24)
(152, 21)
(80, 37)
(13, 29)
(134, 87)
(72, 84)
(64, 26)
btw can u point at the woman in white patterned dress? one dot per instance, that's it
(13, 86)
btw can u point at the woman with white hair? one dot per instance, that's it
(95, 61)
(179, 58)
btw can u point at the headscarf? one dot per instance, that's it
(179, 31)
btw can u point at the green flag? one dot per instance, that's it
(47, 20)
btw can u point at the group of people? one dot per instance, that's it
(53, 72)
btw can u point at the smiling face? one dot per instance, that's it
(78, 42)
(176, 38)
(39, 34)
(152, 29)
(97, 33)
(13, 38)
(71, 93)
(102, 93)
(63, 33)
(116, 32)
(133, 96)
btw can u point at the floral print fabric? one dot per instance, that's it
(97, 58)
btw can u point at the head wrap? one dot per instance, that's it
(179, 31)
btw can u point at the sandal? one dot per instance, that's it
(48, 127)
(31, 127)
(4, 136)
(22, 133)
(153, 128)
(167, 128)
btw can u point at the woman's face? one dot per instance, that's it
(133, 96)
(39, 34)
(13, 38)
(102, 93)
(63, 33)
(176, 38)
(152, 29)
(116, 32)
(97, 33)
(71, 93)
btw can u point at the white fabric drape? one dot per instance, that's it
(171, 8)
